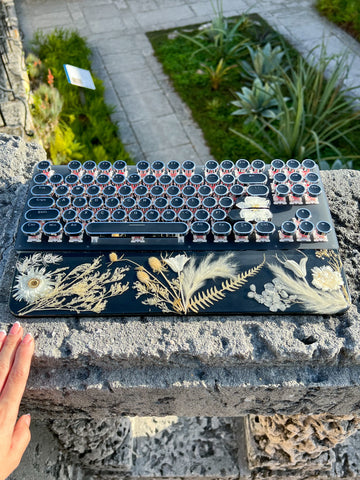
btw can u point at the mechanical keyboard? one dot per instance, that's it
(229, 238)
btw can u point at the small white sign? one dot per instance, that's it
(79, 76)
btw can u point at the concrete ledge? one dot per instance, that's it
(189, 365)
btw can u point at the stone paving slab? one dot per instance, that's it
(116, 28)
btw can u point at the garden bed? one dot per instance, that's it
(71, 122)
(345, 13)
(284, 107)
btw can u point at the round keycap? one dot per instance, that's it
(293, 164)
(218, 215)
(44, 166)
(211, 166)
(143, 167)
(149, 180)
(63, 202)
(212, 179)
(152, 215)
(165, 180)
(312, 178)
(118, 179)
(103, 179)
(69, 215)
(295, 177)
(302, 214)
(86, 215)
(306, 227)
(196, 180)
(173, 166)
(31, 228)
(156, 191)
(119, 215)
(221, 228)
(243, 228)
(226, 166)
(209, 203)
(298, 190)
(73, 228)
(80, 202)
(168, 215)
(119, 166)
(128, 203)
(242, 165)
(77, 191)
(226, 203)
(323, 228)
(71, 179)
(314, 190)
(93, 190)
(228, 179)
(265, 228)
(104, 166)
(202, 215)
(282, 190)
(89, 166)
(277, 164)
(188, 166)
(74, 166)
(173, 191)
(158, 167)
(204, 190)
(180, 180)
(112, 202)
(200, 228)
(102, 215)
(56, 179)
(124, 190)
(62, 190)
(280, 177)
(52, 228)
(258, 165)
(221, 190)
(288, 228)
(193, 203)
(136, 215)
(134, 179)
(236, 190)
(160, 203)
(308, 164)
(185, 215)
(109, 191)
(141, 191)
(188, 191)
(87, 179)
(144, 203)
(96, 202)
(176, 202)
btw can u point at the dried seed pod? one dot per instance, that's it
(142, 276)
(155, 264)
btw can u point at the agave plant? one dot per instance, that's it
(221, 38)
(257, 103)
(217, 74)
(316, 114)
(266, 63)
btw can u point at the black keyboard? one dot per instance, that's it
(228, 238)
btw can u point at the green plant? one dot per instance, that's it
(316, 115)
(345, 13)
(34, 66)
(217, 74)
(336, 165)
(87, 109)
(222, 38)
(46, 108)
(63, 145)
(257, 103)
(265, 63)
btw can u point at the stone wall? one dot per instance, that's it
(88, 373)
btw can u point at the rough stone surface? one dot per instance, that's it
(298, 442)
(190, 365)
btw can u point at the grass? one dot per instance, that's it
(345, 13)
(211, 108)
(84, 112)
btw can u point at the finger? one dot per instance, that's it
(8, 351)
(20, 439)
(2, 338)
(15, 384)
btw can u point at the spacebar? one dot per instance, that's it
(136, 228)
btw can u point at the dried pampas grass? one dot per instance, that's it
(321, 302)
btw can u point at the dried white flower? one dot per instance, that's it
(325, 278)
(298, 268)
(177, 263)
(255, 215)
(256, 202)
(33, 285)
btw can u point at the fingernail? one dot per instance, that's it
(2, 333)
(27, 419)
(28, 338)
(15, 328)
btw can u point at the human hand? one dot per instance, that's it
(15, 360)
